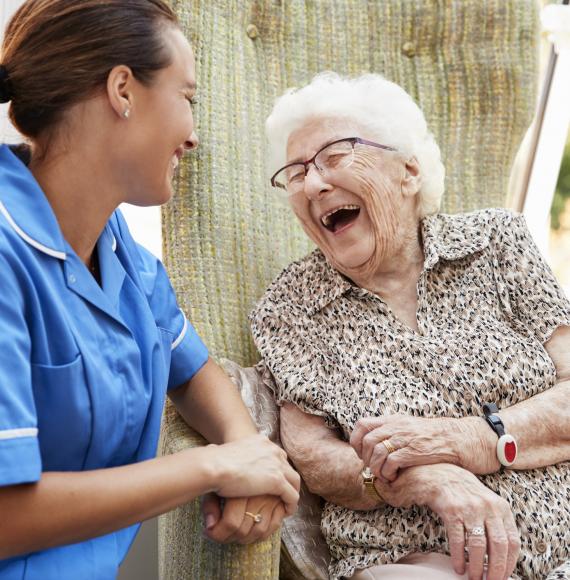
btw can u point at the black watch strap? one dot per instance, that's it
(494, 421)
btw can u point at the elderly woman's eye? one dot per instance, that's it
(333, 160)
(296, 176)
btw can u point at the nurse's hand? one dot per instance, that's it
(236, 520)
(254, 466)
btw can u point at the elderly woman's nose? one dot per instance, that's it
(316, 186)
(192, 142)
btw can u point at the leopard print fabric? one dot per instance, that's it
(487, 303)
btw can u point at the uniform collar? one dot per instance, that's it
(26, 208)
(445, 237)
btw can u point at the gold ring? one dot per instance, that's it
(257, 518)
(389, 446)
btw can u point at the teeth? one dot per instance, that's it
(326, 218)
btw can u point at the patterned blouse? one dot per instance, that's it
(487, 303)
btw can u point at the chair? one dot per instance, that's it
(470, 64)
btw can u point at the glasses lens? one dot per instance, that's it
(335, 156)
(291, 178)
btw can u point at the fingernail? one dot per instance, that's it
(210, 521)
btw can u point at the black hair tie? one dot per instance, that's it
(5, 92)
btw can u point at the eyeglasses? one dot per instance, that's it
(334, 156)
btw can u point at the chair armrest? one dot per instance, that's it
(184, 552)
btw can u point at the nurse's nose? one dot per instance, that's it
(316, 183)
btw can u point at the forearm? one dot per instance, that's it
(211, 404)
(329, 466)
(540, 425)
(64, 508)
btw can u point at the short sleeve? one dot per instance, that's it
(188, 353)
(535, 297)
(298, 368)
(20, 460)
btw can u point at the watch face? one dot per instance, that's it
(367, 473)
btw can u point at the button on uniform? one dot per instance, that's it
(252, 31)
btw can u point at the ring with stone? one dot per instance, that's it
(476, 531)
(257, 518)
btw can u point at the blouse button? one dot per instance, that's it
(440, 349)
(541, 547)
(252, 31)
(468, 397)
(518, 489)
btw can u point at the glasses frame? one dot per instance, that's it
(352, 140)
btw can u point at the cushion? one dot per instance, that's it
(301, 533)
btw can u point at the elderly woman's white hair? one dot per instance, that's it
(387, 112)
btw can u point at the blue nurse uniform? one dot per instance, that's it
(84, 368)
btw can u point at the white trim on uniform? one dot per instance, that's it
(181, 335)
(18, 433)
(26, 238)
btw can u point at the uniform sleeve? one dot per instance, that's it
(299, 369)
(533, 294)
(20, 460)
(188, 353)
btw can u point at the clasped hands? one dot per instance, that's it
(432, 462)
(231, 520)
(392, 442)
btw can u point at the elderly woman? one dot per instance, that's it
(431, 349)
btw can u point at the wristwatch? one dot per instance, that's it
(368, 478)
(507, 448)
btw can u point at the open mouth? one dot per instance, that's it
(340, 217)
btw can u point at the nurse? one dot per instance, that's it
(91, 337)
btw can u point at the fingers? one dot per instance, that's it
(377, 461)
(497, 548)
(289, 491)
(514, 542)
(271, 520)
(211, 510)
(477, 548)
(456, 539)
(233, 517)
(362, 428)
(248, 520)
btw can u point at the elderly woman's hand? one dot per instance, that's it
(477, 521)
(392, 442)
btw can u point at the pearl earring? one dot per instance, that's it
(127, 113)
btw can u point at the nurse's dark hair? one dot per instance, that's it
(57, 53)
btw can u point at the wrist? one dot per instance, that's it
(479, 453)
(236, 432)
(208, 465)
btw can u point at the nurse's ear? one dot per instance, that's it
(412, 180)
(120, 90)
